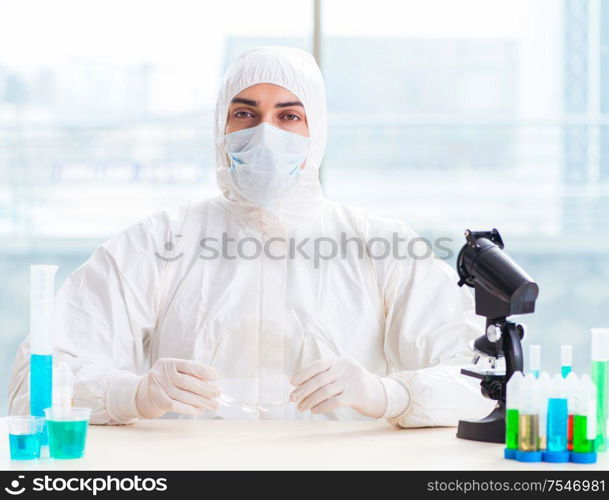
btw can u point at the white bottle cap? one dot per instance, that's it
(512, 398)
(42, 294)
(545, 385)
(529, 395)
(586, 405)
(534, 358)
(558, 387)
(600, 344)
(566, 355)
(572, 382)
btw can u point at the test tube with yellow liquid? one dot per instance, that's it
(528, 421)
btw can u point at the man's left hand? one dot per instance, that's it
(328, 384)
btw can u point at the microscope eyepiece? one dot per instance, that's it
(502, 286)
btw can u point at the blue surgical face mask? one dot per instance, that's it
(265, 162)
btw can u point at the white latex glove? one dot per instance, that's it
(177, 385)
(328, 384)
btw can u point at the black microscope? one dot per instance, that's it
(501, 288)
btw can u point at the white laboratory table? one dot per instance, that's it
(256, 445)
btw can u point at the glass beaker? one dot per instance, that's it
(67, 428)
(25, 436)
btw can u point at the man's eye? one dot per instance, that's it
(291, 117)
(243, 114)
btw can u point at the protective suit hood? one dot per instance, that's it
(297, 71)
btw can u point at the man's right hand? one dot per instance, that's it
(177, 385)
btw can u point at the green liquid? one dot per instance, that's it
(511, 429)
(600, 376)
(581, 444)
(67, 438)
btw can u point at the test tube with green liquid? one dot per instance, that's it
(584, 426)
(512, 403)
(573, 387)
(600, 377)
(584, 422)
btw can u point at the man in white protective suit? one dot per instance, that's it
(268, 301)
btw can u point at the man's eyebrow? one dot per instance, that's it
(288, 104)
(241, 100)
(251, 102)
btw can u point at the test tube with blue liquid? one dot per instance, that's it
(558, 416)
(566, 359)
(42, 290)
(535, 360)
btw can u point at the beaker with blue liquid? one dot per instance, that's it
(25, 436)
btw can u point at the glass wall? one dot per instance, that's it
(106, 116)
(448, 115)
(480, 114)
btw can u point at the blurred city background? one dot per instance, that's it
(448, 115)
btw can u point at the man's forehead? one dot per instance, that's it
(267, 92)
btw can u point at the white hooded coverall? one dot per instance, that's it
(155, 290)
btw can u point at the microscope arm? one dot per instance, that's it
(512, 348)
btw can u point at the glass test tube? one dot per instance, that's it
(557, 415)
(42, 294)
(544, 390)
(566, 359)
(511, 410)
(528, 418)
(535, 359)
(584, 422)
(600, 377)
(572, 392)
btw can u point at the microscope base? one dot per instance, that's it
(491, 429)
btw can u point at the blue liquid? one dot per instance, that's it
(565, 370)
(558, 418)
(24, 446)
(41, 383)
